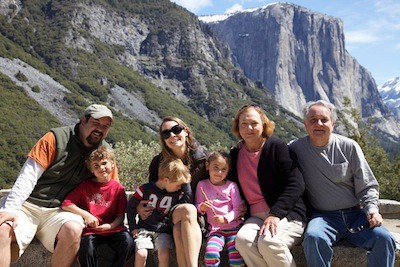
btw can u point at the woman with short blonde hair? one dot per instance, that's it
(267, 174)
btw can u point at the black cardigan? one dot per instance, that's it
(280, 180)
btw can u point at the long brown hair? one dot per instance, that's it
(166, 151)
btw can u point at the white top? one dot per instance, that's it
(23, 187)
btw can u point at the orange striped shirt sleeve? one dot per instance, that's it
(114, 174)
(44, 153)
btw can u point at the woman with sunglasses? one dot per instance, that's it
(272, 185)
(177, 141)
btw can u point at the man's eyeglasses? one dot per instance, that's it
(177, 129)
(357, 229)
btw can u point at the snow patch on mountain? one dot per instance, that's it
(221, 17)
(390, 93)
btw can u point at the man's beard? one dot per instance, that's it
(96, 140)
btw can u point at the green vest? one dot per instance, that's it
(67, 170)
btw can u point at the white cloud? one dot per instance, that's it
(396, 26)
(194, 5)
(234, 8)
(367, 21)
(387, 15)
(389, 8)
(360, 37)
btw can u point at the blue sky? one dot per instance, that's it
(372, 27)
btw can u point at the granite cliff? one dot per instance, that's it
(157, 40)
(300, 55)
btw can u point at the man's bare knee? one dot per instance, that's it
(67, 244)
(70, 232)
(6, 235)
(9, 250)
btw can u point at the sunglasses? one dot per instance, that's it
(177, 129)
(249, 105)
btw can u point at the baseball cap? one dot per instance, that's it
(98, 111)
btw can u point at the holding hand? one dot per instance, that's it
(375, 219)
(204, 206)
(103, 227)
(271, 225)
(144, 210)
(242, 209)
(9, 218)
(90, 220)
(219, 219)
(134, 233)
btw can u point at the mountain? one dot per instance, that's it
(390, 93)
(144, 59)
(300, 56)
(133, 55)
(149, 59)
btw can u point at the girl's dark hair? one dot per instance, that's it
(219, 154)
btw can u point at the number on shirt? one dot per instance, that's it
(164, 203)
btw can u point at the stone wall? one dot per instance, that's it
(344, 253)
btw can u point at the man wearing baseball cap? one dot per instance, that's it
(54, 166)
(98, 111)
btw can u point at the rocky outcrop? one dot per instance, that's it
(50, 94)
(171, 49)
(10, 7)
(299, 55)
(183, 61)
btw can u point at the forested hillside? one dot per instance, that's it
(56, 39)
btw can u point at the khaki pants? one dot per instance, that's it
(259, 251)
(44, 223)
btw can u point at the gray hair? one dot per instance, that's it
(323, 103)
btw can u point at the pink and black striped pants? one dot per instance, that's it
(215, 244)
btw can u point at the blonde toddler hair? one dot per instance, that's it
(174, 170)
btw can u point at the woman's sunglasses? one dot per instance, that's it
(249, 105)
(177, 129)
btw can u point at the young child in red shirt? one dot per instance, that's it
(101, 201)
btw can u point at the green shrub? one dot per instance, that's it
(133, 160)
(21, 77)
(36, 89)
(387, 172)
